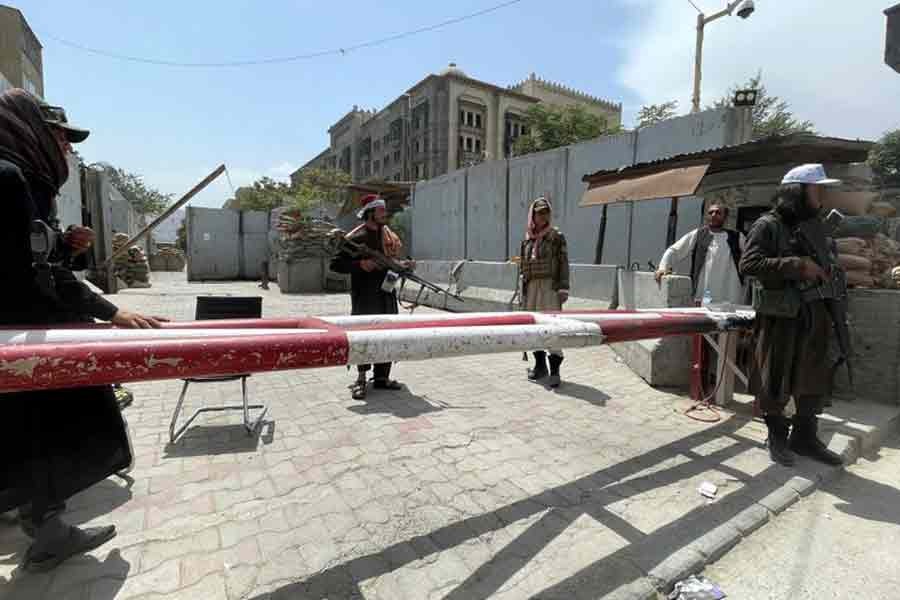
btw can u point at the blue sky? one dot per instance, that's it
(174, 124)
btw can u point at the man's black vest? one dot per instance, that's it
(701, 246)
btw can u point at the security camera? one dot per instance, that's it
(745, 9)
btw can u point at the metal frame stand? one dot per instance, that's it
(251, 427)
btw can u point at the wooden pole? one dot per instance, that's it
(166, 214)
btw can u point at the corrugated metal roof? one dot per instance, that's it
(796, 148)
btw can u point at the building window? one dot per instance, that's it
(462, 117)
(377, 145)
(524, 130)
(468, 144)
(376, 166)
(397, 156)
(387, 162)
(477, 121)
(477, 145)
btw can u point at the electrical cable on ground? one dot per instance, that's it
(707, 404)
(342, 51)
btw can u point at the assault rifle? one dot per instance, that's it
(395, 269)
(813, 235)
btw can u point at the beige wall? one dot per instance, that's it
(496, 104)
(14, 63)
(559, 98)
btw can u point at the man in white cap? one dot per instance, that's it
(366, 277)
(794, 279)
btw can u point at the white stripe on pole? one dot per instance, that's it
(13, 337)
(381, 346)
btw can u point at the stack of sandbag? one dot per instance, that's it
(302, 237)
(885, 258)
(131, 266)
(855, 256)
(168, 258)
(864, 251)
(869, 262)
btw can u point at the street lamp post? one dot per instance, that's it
(744, 9)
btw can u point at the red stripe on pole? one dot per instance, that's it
(53, 366)
(655, 327)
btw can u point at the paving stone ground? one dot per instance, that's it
(470, 483)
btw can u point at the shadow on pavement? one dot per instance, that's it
(400, 403)
(107, 578)
(557, 508)
(582, 392)
(211, 440)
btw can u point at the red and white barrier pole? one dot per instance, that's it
(60, 358)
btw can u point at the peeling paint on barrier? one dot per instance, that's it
(47, 358)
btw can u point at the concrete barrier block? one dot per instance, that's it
(304, 276)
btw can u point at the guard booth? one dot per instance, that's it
(742, 177)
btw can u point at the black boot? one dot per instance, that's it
(554, 381)
(778, 440)
(540, 366)
(805, 441)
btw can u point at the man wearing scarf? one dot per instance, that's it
(57, 442)
(366, 277)
(544, 269)
(793, 326)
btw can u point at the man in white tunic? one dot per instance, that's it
(715, 253)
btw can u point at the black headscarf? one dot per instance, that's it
(791, 205)
(28, 142)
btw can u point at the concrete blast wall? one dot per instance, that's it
(479, 213)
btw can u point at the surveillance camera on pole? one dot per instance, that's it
(744, 9)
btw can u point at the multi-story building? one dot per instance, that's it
(443, 122)
(892, 39)
(21, 63)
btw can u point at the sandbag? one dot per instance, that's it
(849, 203)
(883, 209)
(851, 262)
(852, 245)
(860, 279)
(862, 227)
(892, 228)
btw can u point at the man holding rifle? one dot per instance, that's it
(371, 289)
(798, 289)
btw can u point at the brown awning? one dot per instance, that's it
(670, 183)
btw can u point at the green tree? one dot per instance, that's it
(263, 194)
(651, 114)
(145, 199)
(310, 188)
(884, 158)
(771, 114)
(552, 127)
(181, 236)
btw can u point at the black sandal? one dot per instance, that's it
(358, 390)
(78, 542)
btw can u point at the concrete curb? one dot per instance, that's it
(712, 546)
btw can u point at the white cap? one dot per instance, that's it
(373, 202)
(813, 174)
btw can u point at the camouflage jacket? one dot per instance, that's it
(552, 262)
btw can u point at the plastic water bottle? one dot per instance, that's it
(707, 298)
